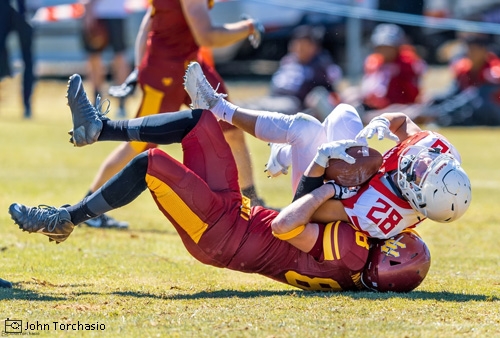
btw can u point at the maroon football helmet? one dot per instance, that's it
(397, 264)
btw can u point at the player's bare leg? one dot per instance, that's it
(121, 69)
(95, 72)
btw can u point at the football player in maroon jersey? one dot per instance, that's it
(170, 37)
(202, 199)
(215, 222)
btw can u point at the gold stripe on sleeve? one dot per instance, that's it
(327, 243)
(290, 234)
(330, 243)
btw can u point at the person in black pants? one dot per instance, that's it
(14, 19)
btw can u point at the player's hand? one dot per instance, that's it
(258, 30)
(127, 87)
(335, 149)
(342, 193)
(379, 125)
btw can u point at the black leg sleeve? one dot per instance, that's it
(164, 128)
(120, 190)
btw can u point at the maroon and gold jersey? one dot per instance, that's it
(344, 254)
(170, 36)
(202, 200)
(170, 48)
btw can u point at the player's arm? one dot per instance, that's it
(293, 222)
(401, 125)
(142, 37)
(329, 211)
(205, 33)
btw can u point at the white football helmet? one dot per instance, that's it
(434, 183)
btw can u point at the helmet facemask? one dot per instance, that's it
(415, 163)
(434, 183)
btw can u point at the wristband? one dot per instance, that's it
(290, 234)
(306, 185)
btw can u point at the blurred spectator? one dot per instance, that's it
(392, 74)
(103, 26)
(306, 77)
(459, 9)
(478, 10)
(474, 97)
(14, 19)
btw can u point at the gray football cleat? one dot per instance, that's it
(54, 223)
(87, 119)
(202, 95)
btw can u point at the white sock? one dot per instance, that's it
(224, 110)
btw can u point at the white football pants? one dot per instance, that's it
(302, 134)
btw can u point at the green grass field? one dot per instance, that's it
(143, 283)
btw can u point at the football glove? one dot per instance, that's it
(342, 193)
(379, 125)
(258, 30)
(335, 149)
(127, 87)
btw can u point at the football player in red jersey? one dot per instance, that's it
(170, 37)
(421, 177)
(392, 75)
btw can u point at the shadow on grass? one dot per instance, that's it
(415, 295)
(15, 293)
(19, 292)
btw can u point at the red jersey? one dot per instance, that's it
(394, 82)
(376, 209)
(489, 73)
(170, 48)
(170, 36)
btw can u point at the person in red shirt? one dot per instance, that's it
(474, 96)
(479, 66)
(391, 74)
(169, 38)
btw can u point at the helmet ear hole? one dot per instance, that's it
(392, 263)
